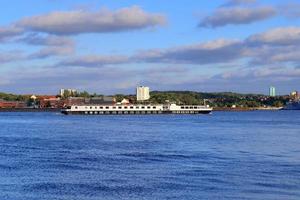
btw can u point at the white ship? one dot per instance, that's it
(136, 109)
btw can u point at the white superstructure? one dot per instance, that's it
(142, 93)
(136, 109)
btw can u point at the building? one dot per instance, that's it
(50, 102)
(125, 102)
(104, 100)
(75, 101)
(12, 104)
(88, 101)
(272, 91)
(33, 97)
(142, 93)
(295, 95)
(67, 92)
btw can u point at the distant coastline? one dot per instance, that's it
(222, 101)
(58, 109)
(246, 109)
(29, 109)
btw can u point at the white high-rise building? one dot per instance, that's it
(272, 91)
(70, 91)
(142, 93)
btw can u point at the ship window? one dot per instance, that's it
(143, 107)
(154, 107)
(107, 107)
(186, 107)
(137, 107)
(125, 107)
(120, 107)
(95, 107)
(114, 107)
(76, 107)
(182, 107)
(91, 107)
(101, 107)
(148, 107)
(131, 107)
(191, 107)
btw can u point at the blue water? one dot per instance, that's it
(242, 155)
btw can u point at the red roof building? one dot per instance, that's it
(50, 102)
(12, 104)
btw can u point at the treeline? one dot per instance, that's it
(84, 94)
(222, 99)
(13, 97)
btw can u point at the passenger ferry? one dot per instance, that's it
(136, 109)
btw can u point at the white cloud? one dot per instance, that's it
(9, 32)
(278, 36)
(52, 51)
(82, 21)
(217, 51)
(11, 56)
(237, 15)
(262, 73)
(94, 60)
(49, 40)
(238, 2)
(280, 45)
(51, 45)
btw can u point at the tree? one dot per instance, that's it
(84, 94)
(278, 104)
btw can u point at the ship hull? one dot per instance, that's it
(292, 106)
(135, 112)
(135, 109)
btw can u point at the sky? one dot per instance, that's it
(112, 46)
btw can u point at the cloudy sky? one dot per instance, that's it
(111, 46)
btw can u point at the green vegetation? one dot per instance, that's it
(84, 94)
(13, 97)
(189, 98)
(221, 100)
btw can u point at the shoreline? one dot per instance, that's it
(246, 109)
(30, 109)
(58, 109)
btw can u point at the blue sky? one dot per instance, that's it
(112, 46)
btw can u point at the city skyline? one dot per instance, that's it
(111, 47)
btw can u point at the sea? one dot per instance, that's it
(224, 155)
